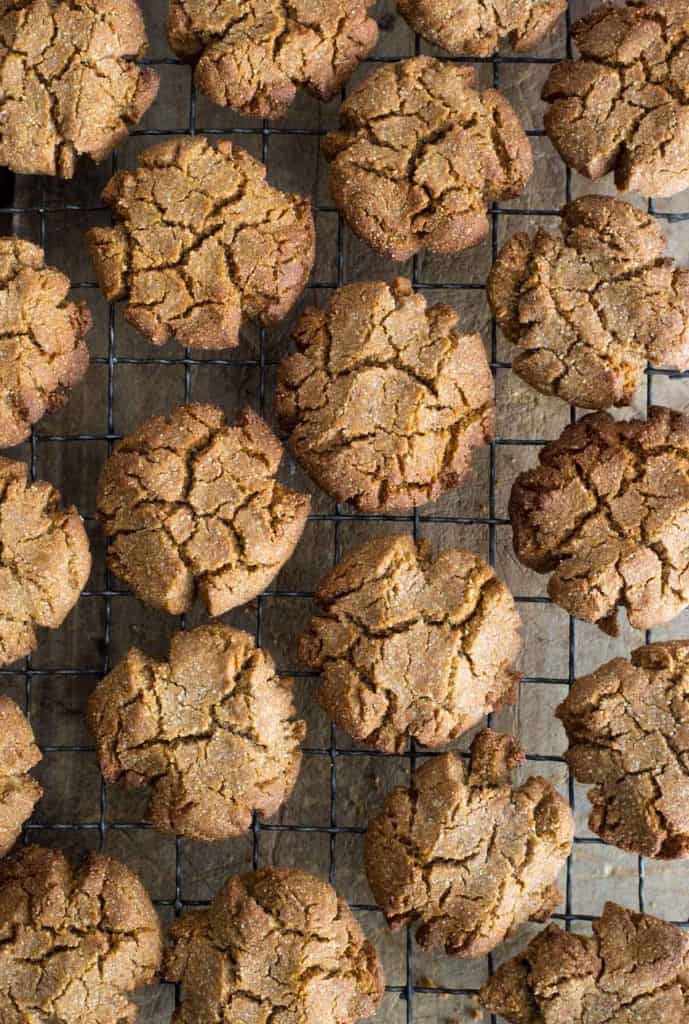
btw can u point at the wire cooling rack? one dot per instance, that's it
(407, 998)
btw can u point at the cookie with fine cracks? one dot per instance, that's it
(478, 27)
(19, 792)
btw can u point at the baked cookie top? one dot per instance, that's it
(44, 559)
(606, 513)
(420, 155)
(43, 350)
(253, 56)
(190, 506)
(590, 307)
(275, 943)
(200, 242)
(467, 854)
(19, 792)
(623, 106)
(68, 85)
(411, 647)
(633, 968)
(213, 730)
(384, 400)
(478, 27)
(628, 731)
(76, 942)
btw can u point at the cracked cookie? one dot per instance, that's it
(623, 106)
(628, 730)
(190, 506)
(212, 729)
(44, 559)
(68, 84)
(253, 56)
(19, 792)
(200, 242)
(384, 400)
(634, 969)
(409, 647)
(467, 854)
(590, 308)
(607, 514)
(75, 942)
(274, 945)
(477, 27)
(421, 154)
(43, 352)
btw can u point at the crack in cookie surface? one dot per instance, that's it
(477, 27)
(420, 155)
(68, 85)
(201, 241)
(19, 792)
(44, 559)
(190, 504)
(467, 854)
(628, 730)
(212, 729)
(75, 942)
(634, 968)
(275, 944)
(623, 106)
(252, 55)
(384, 400)
(607, 513)
(411, 647)
(42, 348)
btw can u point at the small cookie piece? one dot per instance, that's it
(411, 647)
(466, 853)
(19, 792)
(44, 559)
(213, 730)
(274, 945)
(623, 106)
(628, 730)
(588, 309)
(200, 242)
(43, 352)
(421, 154)
(384, 399)
(254, 55)
(607, 513)
(634, 969)
(477, 27)
(190, 505)
(68, 84)
(76, 942)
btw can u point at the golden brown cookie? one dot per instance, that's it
(200, 242)
(411, 647)
(43, 352)
(213, 730)
(19, 792)
(44, 559)
(190, 506)
(253, 56)
(589, 308)
(477, 27)
(384, 399)
(76, 942)
(607, 514)
(467, 854)
(420, 155)
(628, 731)
(274, 945)
(634, 969)
(68, 85)
(623, 106)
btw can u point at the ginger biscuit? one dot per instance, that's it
(19, 792)
(478, 27)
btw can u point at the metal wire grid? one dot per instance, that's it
(332, 752)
